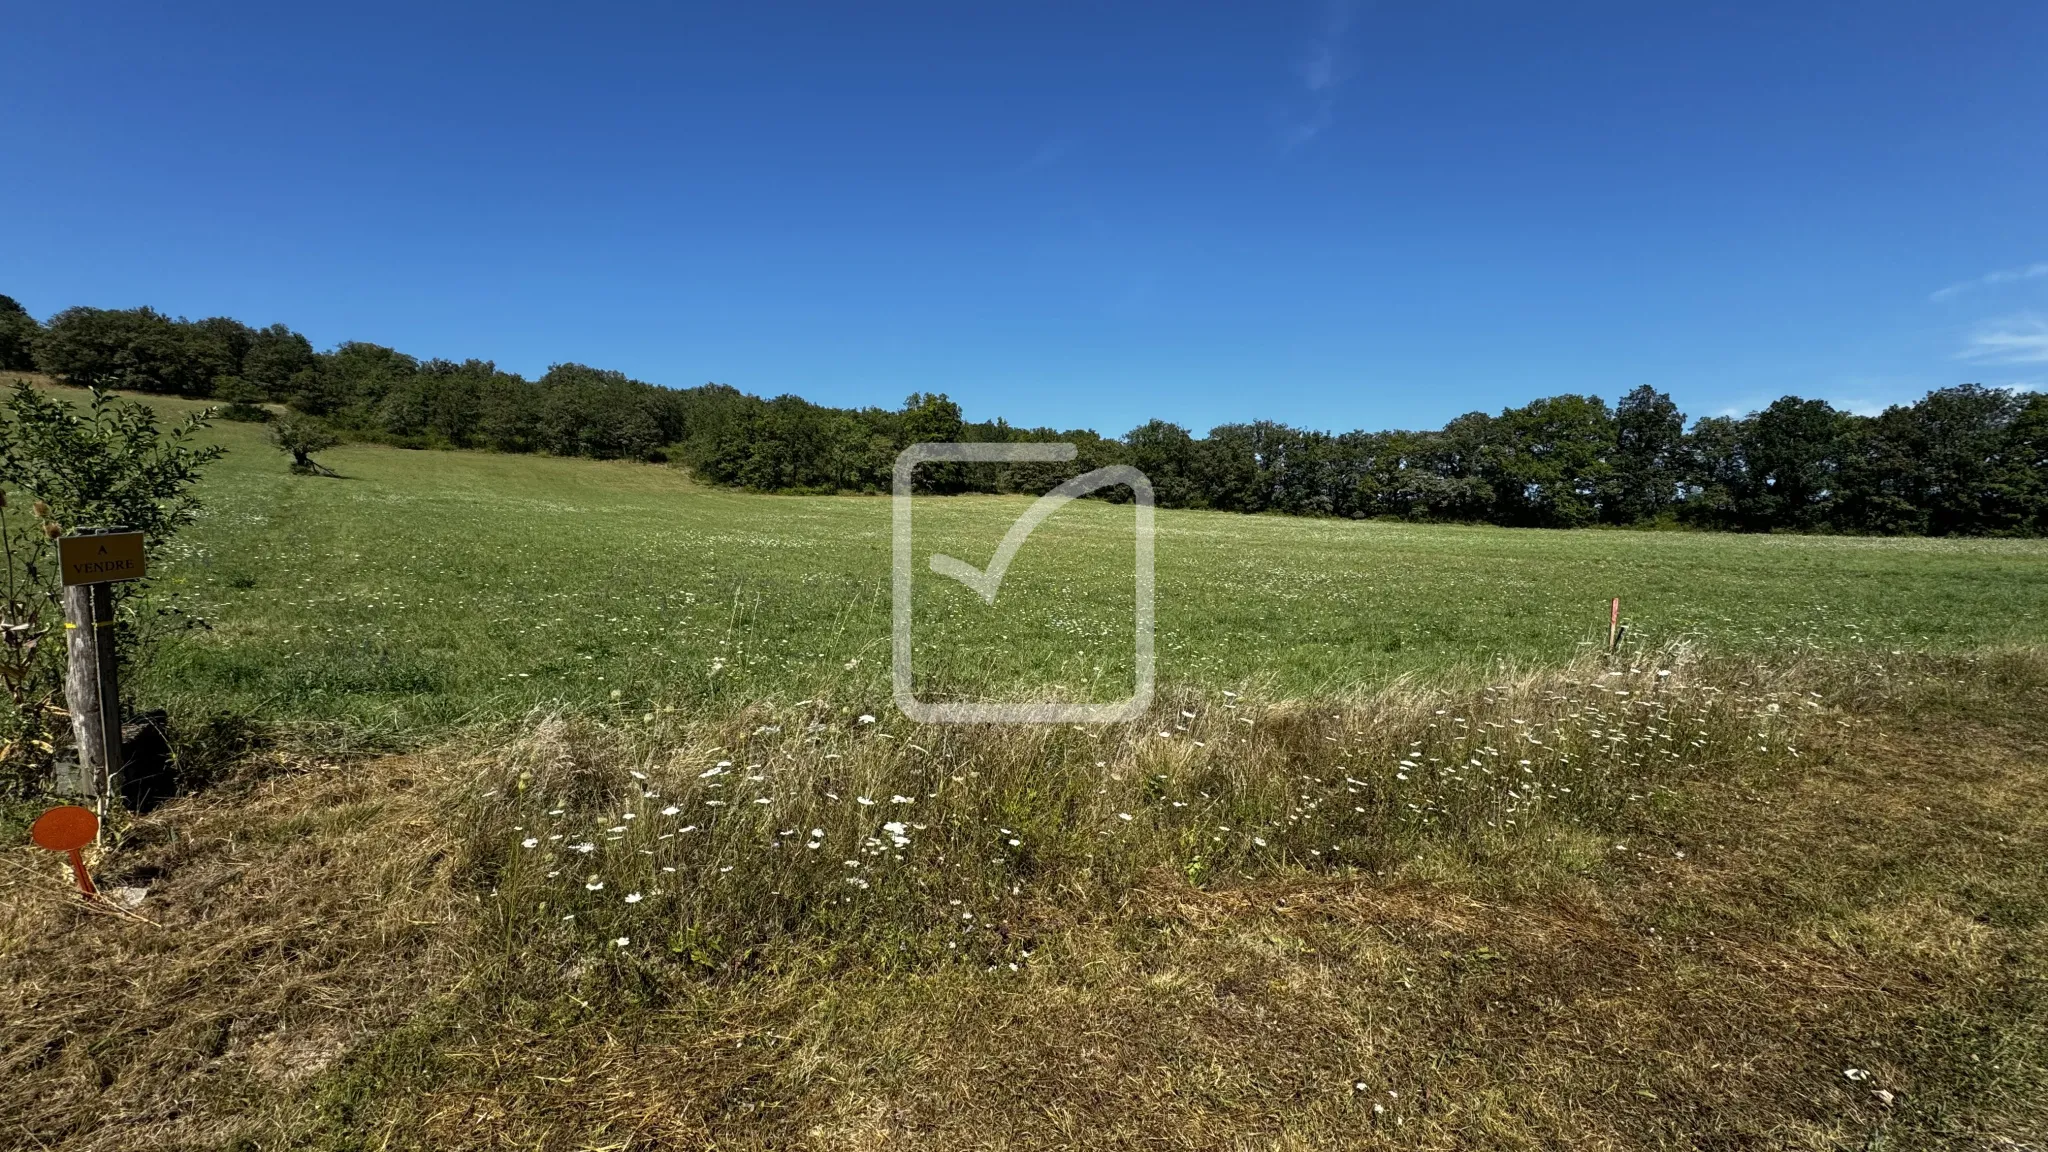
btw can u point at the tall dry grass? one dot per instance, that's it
(1713, 882)
(718, 842)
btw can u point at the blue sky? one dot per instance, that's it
(1350, 215)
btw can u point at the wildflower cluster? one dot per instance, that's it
(712, 842)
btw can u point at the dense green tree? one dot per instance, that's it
(1227, 466)
(1648, 461)
(933, 418)
(2022, 469)
(140, 349)
(1944, 466)
(215, 348)
(929, 418)
(1381, 484)
(790, 444)
(1553, 465)
(711, 417)
(364, 374)
(1714, 472)
(507, 414)
(1165, 453)
(1792, 453)
(587, 411)
(443, 403)
(18, 334)
(1458, 473)
(1882, 477)
(275, 356)
(1964, 486)
(1308, 472)
(137, 348)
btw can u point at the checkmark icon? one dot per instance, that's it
(986, 582)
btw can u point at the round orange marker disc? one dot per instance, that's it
(66, 828)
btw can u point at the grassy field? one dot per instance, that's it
(598, 831)
(1738, 907)
(425, 589)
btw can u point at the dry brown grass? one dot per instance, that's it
(288, 919)
(1877, 903)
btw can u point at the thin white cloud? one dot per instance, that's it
(1321, 68)
(1305, 129)
(2002, 276)
(1322, 72)
(1048, 154)
(2008, 340)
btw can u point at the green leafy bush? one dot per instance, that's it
(301, 436)
(111, 465)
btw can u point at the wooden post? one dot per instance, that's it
(108, 665)
(92, 688)
(91, 559)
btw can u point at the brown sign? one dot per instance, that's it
(98, 559)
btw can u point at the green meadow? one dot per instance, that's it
(594, 827)
(423, 590)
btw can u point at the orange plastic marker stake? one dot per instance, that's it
(68, 829)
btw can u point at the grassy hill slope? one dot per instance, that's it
(424, 589)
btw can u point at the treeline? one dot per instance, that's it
(1966, 460)
(363, 390)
